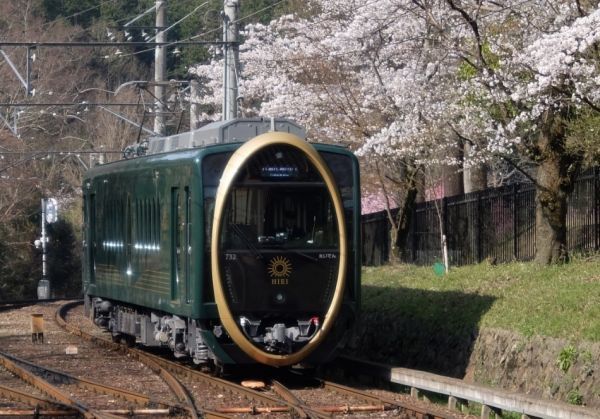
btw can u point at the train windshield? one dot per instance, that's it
(279, 201)
(271, 216)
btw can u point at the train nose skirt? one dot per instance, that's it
(279, 338)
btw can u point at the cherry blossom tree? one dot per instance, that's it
(357, 74)
(533, 80)
(422, 84)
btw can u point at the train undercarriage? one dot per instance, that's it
(187, 337)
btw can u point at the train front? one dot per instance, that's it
(278, 249)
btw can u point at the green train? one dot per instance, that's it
(232, 244)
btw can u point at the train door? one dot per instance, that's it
(129, 265)
(175, 239)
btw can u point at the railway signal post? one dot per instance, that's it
(49, 215)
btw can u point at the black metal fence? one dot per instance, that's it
(496, 224)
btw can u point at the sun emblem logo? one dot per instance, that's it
(280, 267)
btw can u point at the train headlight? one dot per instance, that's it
(218, 331)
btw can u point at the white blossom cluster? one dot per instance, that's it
(404, 79)
(563, 62)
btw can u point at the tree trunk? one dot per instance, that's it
(555, 179)
(550, 216)
(404, 223)
(394, 256)
(400, 222)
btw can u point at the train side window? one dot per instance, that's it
(188, 243)
(341, 167)
(175, 242)
(152, 225)
(146, 215)
(157, 224)
(128, 220)
(212, 168)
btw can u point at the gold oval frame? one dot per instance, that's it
(237, 160)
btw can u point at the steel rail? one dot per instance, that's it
(172, 366)
(224, 384)
(130, 396)
(30, 399)
(174, 385)
(36, 412)
(338, 388)
(384, 403)
(253, 410)
(376, 404)
(301, 409)
(155, 363)
(46, 407)
(287, 402)
(272, 404)
(52, 391)
(346, 409)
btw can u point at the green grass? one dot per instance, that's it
(559, 301)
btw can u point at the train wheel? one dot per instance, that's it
(127, 340)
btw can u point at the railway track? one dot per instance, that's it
(191, 392)
(319, 400)
(63, 389)
(11, 305)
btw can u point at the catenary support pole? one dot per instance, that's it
(160, 68)
(231, 59)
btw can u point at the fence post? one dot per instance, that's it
(596, 203)
(413, 235)
(479, 231)
(515, 221)
(388, 237)
(444, 232)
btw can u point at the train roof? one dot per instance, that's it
(222, 132)
(187, 145)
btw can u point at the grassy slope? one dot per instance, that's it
(557, 301)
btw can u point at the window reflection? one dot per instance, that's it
(279, 216)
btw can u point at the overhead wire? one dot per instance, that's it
(191, 38)
(78, 13)
(170, 27)
(180, 20)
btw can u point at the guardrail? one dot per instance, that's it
(458, 391)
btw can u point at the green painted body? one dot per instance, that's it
(144, 233)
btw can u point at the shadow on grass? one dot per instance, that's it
(427, 330)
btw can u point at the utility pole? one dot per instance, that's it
(160, 67)
(231, 58)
